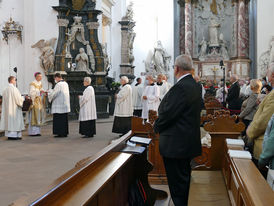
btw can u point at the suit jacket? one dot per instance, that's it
(179, 120)
(258, 126)
(234, 102)
(249, 107)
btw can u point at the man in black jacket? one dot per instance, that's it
(233, 96)
(179, 127)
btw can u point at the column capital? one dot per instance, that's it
(63, 22)
(92, 25)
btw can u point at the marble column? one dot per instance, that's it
(234, 39)
(243, 34)
(182, 26)
(188, 28)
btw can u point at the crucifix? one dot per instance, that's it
(214, 70)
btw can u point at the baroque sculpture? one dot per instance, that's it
(47, 56)
(82, 60)
(267, 58)
(213, 32)
(106, 58)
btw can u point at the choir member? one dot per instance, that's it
(60, 106)
(87, 114)
(12, 117)
(151, 97)
(123, 108)
(137, 92)
(37, 111)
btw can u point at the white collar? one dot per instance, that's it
(183, 76)
(11, 84)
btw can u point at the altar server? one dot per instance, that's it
(151, 97)
(87, 114)
(123, 108)
(162, 86)
(11, 117)
(37, 111)
(60, 106)
(137, 92)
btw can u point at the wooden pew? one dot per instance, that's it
(212, 105)
(245, 184)
(220, 127)
(100, 180)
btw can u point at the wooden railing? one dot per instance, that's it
(245, 184)
(101, 180)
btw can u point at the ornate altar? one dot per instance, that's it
(211, 31)
(12, 28)
(79, 53)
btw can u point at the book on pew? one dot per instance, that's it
(270, 178)
(133, 150)
(237, 142)
(140, 140)
(239, 154)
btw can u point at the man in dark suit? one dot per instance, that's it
(233, 97)
(179, 127)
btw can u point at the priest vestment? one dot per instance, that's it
(60, 108)
(12, 121)
(137, 92)
(87, 114)
(152, 92)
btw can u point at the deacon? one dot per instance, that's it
(36, 113)
(60, 106)
(179, 127)
(137, 92)
(123, 108)
(87, 113)
(12, 117)
(151, 97)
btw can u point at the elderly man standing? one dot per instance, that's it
(123, 108)
(36, 114)
(11, 117)
(179, 127)
(233, 96)
(60, 106)
(87, 113)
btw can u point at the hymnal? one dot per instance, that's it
(133, 150)
(140, 140)
(238, 142)
(239, 154)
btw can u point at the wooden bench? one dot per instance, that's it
(100, 180)
(245, 184)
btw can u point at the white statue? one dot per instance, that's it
(129, 12)
(47, 56)
(106, 58)
(213, 32)
(161, 59)
(223, 50)
(266, 58)
(203, 50)
(77, 31)
(82, 61)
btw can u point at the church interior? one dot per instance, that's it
(107, 40)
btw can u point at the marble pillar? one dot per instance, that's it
(243, 34)
(182, 26)
(188, 28)
(234, 40)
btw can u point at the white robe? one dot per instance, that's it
(123, 105)
(153, 100)
(60, 98)
(137, 92)
(87, 105)
(12, 116)
(163, 89)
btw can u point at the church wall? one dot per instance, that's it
(154, 21)
(265, 28)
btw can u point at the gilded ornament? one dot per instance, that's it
(78, 4)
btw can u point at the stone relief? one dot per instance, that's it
(266, 58)
(47, 56)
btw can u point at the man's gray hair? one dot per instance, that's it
(87, 80)
(125, 78)
(184, 62)
(235, 77)
(271, 68)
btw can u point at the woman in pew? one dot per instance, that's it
(249, 106)
(87, 114)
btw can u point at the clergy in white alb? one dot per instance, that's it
(12, 121)
(37, 109)
(123, 108)
(151, 97)
(163, 86)
(60, 106)
(87, 113)
(137, 92)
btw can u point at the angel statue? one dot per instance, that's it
(47, 56)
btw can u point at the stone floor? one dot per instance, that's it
(34, 162)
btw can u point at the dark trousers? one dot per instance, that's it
(178, 173)
(60, 124)
(137, 112)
